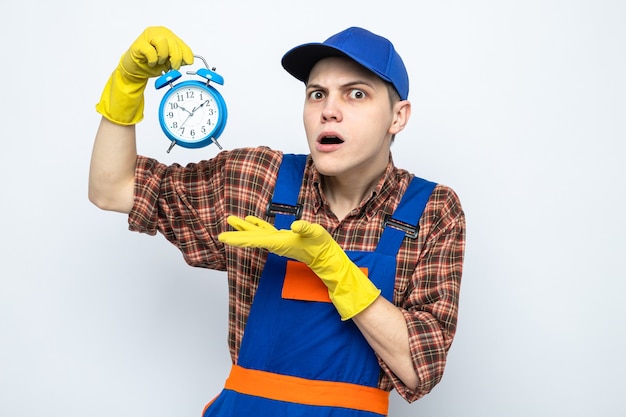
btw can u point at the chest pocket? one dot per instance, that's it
(302, 284)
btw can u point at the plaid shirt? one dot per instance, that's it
(189, 206)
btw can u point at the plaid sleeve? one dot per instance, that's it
(430, 307)
(189, 204)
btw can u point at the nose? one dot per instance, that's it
(331, 110)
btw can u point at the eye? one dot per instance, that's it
(357, 94)
(316, 95)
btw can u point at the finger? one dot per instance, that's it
(187, 54)
(306, 229)
(144, 51)
(238, 239)
(162, 46)
(253, 239)
(180, 53)
(238, 223)
(175, 52)
(260, 223)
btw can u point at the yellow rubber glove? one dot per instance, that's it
(350, 290)
(156, 50)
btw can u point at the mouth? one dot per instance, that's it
(330, 140)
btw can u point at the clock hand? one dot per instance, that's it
(193, 111)
(183, 123)
(184, 109)
(200, 106)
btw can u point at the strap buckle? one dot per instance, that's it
(277, 208)
(410, 230)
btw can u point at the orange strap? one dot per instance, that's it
(306, 391)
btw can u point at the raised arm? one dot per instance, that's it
(111, 175)
(112, 170)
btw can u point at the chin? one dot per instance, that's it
(329, 167)
(324, 165)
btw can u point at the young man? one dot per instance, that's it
(344, 271)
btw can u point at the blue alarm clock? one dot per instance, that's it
(192, 113)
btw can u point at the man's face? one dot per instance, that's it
(349, 119)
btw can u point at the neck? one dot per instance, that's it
(344, 195)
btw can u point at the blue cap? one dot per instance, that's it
(372, 51)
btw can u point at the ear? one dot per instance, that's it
(401, 115)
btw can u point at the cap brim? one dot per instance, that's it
(300, 60)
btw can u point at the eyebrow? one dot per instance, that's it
(350, 84)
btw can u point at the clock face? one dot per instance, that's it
(191, 113)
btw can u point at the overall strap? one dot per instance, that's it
(284, 205)
(405, 219)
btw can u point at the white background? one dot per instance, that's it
(518, 105)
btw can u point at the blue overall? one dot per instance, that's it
(307, 339)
